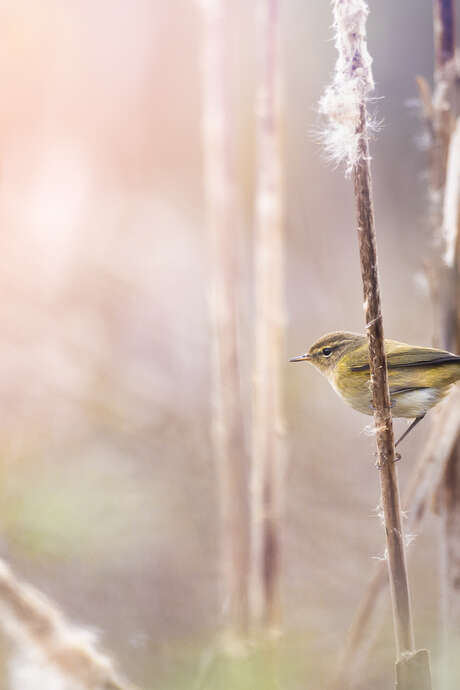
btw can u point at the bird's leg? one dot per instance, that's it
(409, 428)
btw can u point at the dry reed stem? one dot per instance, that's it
(268, 452)
(447, 490)
(430, 467)
(227, 422)
(31, 619)
(444, 77)
(413, 671)
(399, 584)
(344, 104)
(436, 111)
(439, 114)
(451, 200)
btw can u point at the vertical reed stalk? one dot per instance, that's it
(268, 422)
(345, 105)
(437, 110)
(429, 469)
(227, 413)
(448, 491)
(381, 398)
(441, 125)
(445, 192)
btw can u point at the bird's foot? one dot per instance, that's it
(379, 464)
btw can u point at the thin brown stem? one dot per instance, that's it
(344, 103)
(437, 112)
(447, 140)
(381, 400)
(444, 430)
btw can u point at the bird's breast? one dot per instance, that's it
(354, 390)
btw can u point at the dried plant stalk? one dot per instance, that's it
(451, 203)
(444, 77)
(412, 667)
(268, 455)
(228, 428)
(32, 620)
(444, 195)
(445, 166)
(368, 619)
(345, 105)
(381, 400)
(440, 119)
(448, 490)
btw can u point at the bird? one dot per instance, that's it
(418, 377)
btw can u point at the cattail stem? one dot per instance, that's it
(344, 103)
(381, 399)
(437, 112)
(448, 493)
(416, 500)
(228, 413)
(445, 192)
(268, 419)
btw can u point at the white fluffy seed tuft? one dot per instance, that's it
(409, 539)
(342, 101)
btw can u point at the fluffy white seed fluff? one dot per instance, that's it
(351, 84)
(63, 656)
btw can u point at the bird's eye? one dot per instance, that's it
(327, 351)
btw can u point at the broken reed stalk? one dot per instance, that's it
(268, 453)
(31, 620)
(227, 413)
(345, 105)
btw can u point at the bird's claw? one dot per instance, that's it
(379, 464)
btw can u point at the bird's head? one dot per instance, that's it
(328, 350)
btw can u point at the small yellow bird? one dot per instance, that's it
(418, 377)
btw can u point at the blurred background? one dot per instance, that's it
(108, 491)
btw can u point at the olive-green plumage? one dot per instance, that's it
(418, 377)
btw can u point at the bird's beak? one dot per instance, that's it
(300, 358)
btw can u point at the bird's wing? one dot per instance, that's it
(412, 368)
(402, 356)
